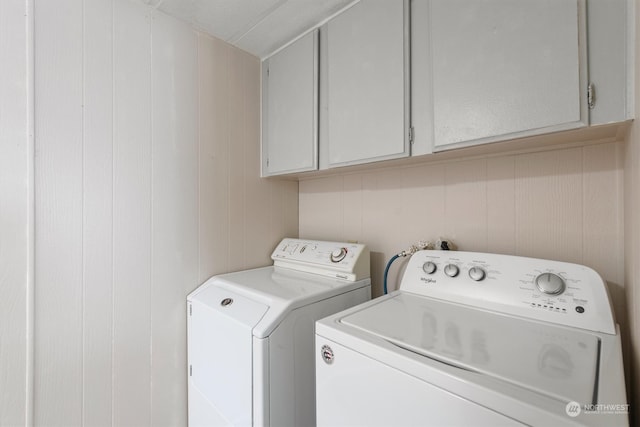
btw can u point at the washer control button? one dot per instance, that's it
(550, 284)
(429, 267)
(477, 274)
(451, 270)
(338, 254)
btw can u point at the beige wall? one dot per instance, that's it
(632, 235)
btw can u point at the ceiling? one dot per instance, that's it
(257, 26)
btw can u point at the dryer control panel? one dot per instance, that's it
(347, 261)
(551, 291)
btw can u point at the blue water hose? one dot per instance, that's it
(386, 271)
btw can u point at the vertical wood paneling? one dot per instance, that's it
(501, 219)
(284, 209)
(631, 157)
(174, 208)
(147, 184)
(549, 205)
(466, 204)
(237, 173)
(213, 57)
(352, 208)
(423, 192)
(321, 208)
(15, 210)
(383, 202)
(257, 189)
(132, 215)
(97, 212)
(58, 217)
(602, 217)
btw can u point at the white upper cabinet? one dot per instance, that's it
(290, 108)
(365, 92)
(501, 69)
(610, 44)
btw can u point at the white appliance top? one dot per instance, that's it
(550, 291)
(554, 361)
(305, 272)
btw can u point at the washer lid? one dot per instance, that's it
(555, 361)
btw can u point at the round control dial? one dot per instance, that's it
(429, 267)
(451, 270)
(550, 284)
(338, 254)
(477, 274)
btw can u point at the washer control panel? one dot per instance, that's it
(551, 291)
(348, 261)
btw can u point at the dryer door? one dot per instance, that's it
(220, 339)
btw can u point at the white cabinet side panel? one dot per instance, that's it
(132, 215)
(174, 205)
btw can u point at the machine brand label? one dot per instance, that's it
(327, 354)
(428, 280)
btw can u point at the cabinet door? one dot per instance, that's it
(505, 68)
(290, 108)
(367, 83)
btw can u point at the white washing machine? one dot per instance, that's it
(475, 339)
(251, 333)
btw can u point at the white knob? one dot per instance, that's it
(550, 283)
(451, 270)
(476, 273)
(429, 267)
(338, 254)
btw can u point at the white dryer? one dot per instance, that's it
(475, 339)
(251, 333)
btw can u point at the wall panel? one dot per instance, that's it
(465, 201)
(97, 183)
(59, 213)
(174, 207)
(550, 205)
(236, 160)
(258, 229)
(501, 204)
(213, 125)
(16, 210)
(132, 215)
(147, 184)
